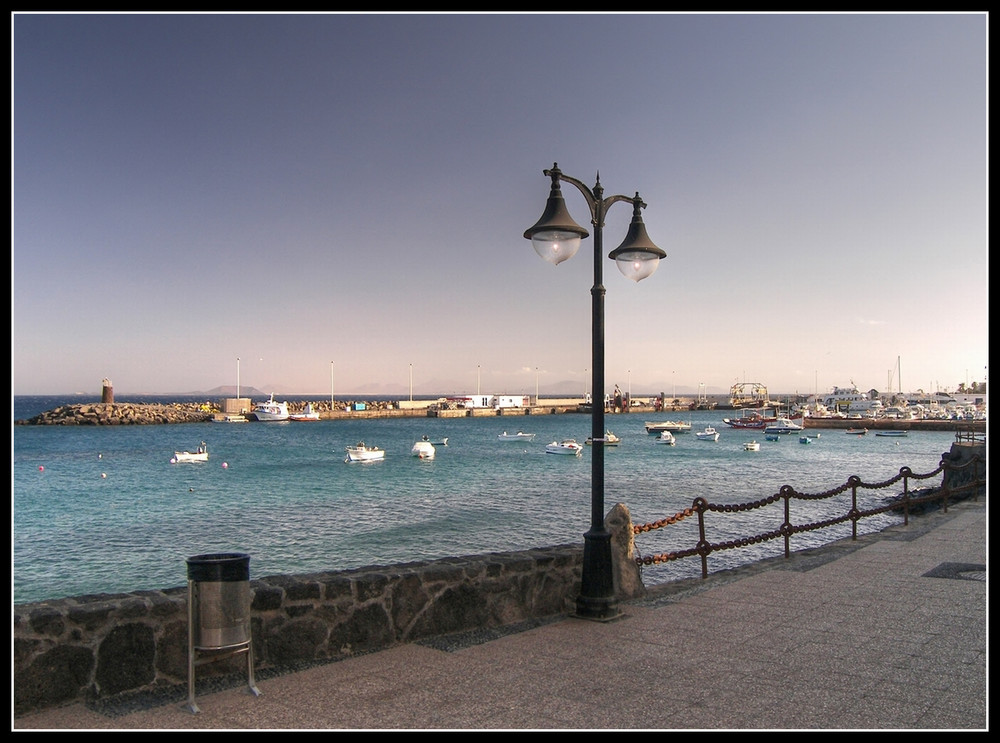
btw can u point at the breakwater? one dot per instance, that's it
(123, 414)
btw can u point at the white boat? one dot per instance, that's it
(423, 449)
(566, 446)
(440, 442)
(890, 433)
(232, 418)
(609, 439)
(849, 400)
(666, 437)
(709, 434)
(199, 455)
(782, 425)
(672, 426)
(857, 431)
(363, 453)
(751, 446)
(271, 410)
(519, 436)
(308, 414)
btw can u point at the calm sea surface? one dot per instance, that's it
(101, 509)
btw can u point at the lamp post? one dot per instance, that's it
(556, 237)
(332, 403)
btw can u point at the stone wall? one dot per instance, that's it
(107, 647)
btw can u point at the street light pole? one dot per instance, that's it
(556, 237)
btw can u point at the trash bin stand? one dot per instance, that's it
(224, 632)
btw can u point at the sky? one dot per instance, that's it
(335, 203)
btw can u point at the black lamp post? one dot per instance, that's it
(556, 237)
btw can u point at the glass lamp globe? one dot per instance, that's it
(556, 246)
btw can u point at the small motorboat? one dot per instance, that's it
(890, 433)
(805, 440)
(609, 440)
(782, 425)
(231, 418)
(709, 434)
(566, 446)
(856, 431)
(199, 455)
(519, 436)
(363, 453)
(672, 426)
(751, 446)
(666, 437)
(772, 436)
(307, 414)
(423, 449)
(440, 442)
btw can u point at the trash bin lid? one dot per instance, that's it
(222, 566)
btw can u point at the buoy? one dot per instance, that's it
(173, 460)
(41, 468)
(225, 465)
(104, 475)
(100, 456)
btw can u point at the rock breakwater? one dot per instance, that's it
(121, 414)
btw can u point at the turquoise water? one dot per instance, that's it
(103, 510)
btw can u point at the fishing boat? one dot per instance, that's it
(666, 437)
(672, 426)
(566, 446)
(519, 436)
(891, 433)
(363, 453)
(751, 446)
(271, 410)
(307, 415)
(709, 434)
(199, 455)
(805, 440)
(772, 436)
(423, 449)
(609, 439)
(856, 431)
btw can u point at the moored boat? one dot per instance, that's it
(805, 440)
(672, 426)
(566, 446)
(709, 434)
(307, 414)
(856, 431)
(519, 436)
(666, 437)
(782, 425)
(751, 446)
(891, 433)
(609, 439)
(199, 455)
(363, 453)
(271, 410)
(423, 449)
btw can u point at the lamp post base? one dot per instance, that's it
(597, 599)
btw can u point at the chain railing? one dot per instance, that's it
(958, 482)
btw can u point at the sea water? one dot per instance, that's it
(101, 509)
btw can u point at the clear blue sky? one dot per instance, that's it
(338, 201)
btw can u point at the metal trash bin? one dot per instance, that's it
(218, 613)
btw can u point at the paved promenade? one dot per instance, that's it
(889, 632)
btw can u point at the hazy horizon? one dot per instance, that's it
(317, 200)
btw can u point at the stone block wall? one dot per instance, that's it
(103, 647)
(92, 648)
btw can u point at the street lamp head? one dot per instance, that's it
(555, 236)
(637, 257)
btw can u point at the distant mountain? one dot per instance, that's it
(229, 390)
